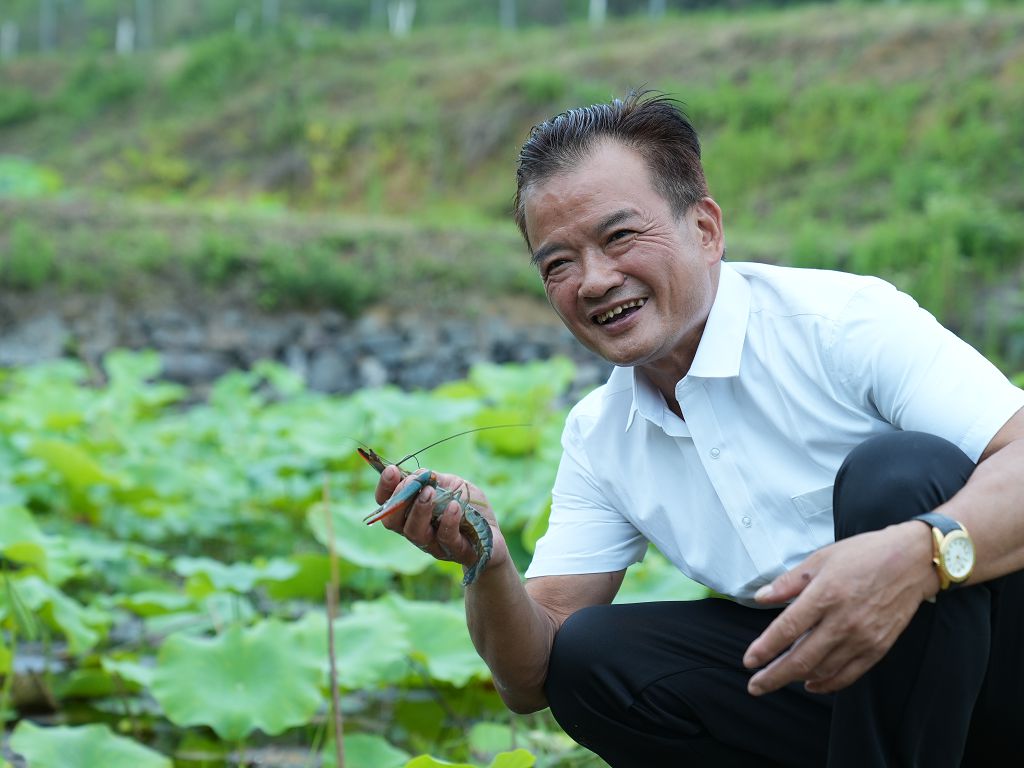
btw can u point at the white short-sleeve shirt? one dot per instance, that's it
(795, 368)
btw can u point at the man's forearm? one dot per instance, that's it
(991, 507)
(513, 634)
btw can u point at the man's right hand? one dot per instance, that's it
(512, 625)
(442, 540)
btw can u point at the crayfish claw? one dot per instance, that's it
(402, 498)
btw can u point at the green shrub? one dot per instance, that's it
(541, 88)
(315, 275)
(29, 260)
(100, 83)
(220, 257)
(17, 105)
(218, 65)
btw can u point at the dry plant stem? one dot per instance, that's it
(332, 614)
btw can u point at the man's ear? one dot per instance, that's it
(708, 217)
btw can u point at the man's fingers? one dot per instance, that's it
(389, 480)
(845, 676)
(397, 519)
(448, 536)
(439, 537)
(418, 528)
(787, 627)
(803, 661)
(789, 584)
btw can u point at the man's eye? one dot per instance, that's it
(619, 234)
(553, 266)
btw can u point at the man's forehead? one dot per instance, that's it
(604, 156)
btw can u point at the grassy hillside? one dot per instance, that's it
(886, 140)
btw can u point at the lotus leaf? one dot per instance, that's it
(439, 637)
(129, 671)
(365, 545)
(130, 368)
(489, 738)
(73, 463)
(371, 649)
(79, 624)
(417, 416)
(512, 433)
(531, 385)
(518, 758)
(426, 761)
(20, 537)
(658, 579)
(365, 750)
(283, 379)
(85, 682)
(214, 611)
(237, 577)
(322, 433)
(154, 603)
(85, 746)
(240, 681)
(312, 572)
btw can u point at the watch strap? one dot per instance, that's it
(945, 526)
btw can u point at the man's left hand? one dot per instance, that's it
(852, 600)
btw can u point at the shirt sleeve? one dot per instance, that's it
(586, 533)
(895, 357)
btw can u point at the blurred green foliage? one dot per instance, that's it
(174, 560)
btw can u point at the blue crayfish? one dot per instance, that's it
(473, 525)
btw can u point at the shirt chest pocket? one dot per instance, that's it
(815, 507)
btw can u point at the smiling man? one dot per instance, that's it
(810, 444)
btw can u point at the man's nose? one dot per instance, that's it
(600, 275)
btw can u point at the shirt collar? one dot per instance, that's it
(718, 354)
(721, 344)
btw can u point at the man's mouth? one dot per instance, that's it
(619, 311)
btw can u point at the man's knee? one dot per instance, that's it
(576, 680)
(892, 477)
(579, 657)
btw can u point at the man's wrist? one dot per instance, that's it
(492, 571)
(920, 550)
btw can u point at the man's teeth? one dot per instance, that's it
(606, 316)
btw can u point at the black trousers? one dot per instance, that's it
(663, 684)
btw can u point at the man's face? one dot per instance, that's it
(633, 282)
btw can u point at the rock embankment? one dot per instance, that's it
(331, 352)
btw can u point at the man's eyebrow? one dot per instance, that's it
(606, 223)
(543, 252)
(616, 218)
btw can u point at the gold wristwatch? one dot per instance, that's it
(952, 549)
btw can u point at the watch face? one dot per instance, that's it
(958, 556)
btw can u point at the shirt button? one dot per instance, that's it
(746, 521)
(715, 453)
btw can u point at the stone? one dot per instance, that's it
(372, 373)
(171, 329)
(43, 337)
(297, 361)
(193, 367)
(331, 372)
